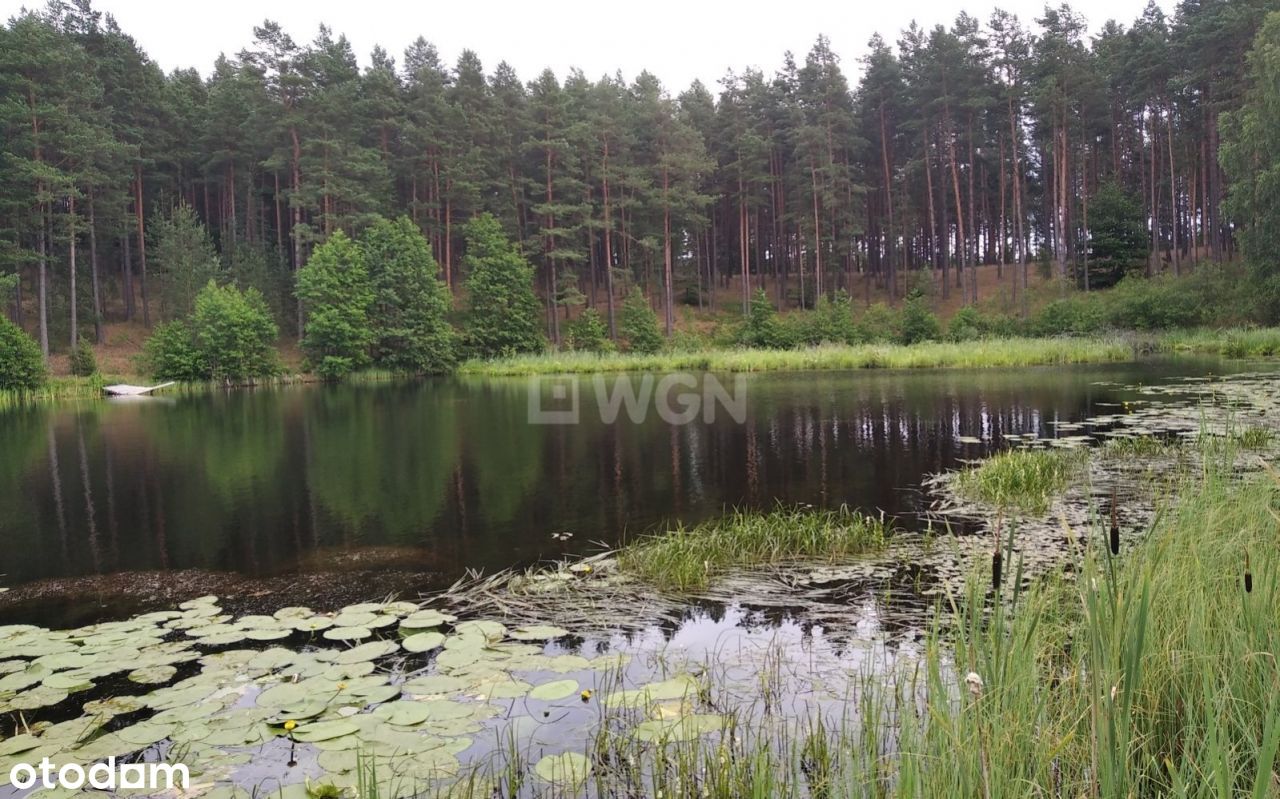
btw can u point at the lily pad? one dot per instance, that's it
(370, 651)
(347, 633)
(538, 632)
(568, 769)
(549, 692)
(423, 642)
(324, 730)
(153, 675)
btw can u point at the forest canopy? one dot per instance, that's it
(977, 141)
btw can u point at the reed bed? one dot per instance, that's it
(686, 559)
(932, 355)
(1025, 480)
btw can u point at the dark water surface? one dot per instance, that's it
(443, 476)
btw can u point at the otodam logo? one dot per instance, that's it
(104, 776)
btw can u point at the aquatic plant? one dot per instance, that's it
(684, 558)
(1025, 480)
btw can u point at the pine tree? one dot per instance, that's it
(410, 304)
(503, 315)
(336, 288)
(185, 260)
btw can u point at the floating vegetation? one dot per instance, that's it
(1025, 480)
(689, 558)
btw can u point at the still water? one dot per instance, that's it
(434, 478)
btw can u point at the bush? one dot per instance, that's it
(639, 324)
(21, 364)
(761, 328)
(831, 322)
(878, 324)
(505, 315)
(588, 333)
(917, 323)
(171, 354)
(83, 364)
(234, 333)
(336, 294)
(967, 325)
(1070, 316)
(1156, 303)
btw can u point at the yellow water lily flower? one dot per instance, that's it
(290, 725)
(586, 695)
(342, 686)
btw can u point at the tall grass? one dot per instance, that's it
(971, 354)
(1234, 343)
(689, 558)
(1026, 480)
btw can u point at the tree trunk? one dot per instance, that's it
(142, 244)
(891, 274)
(93, 272)
(666, 249)
(73, 302)
(42, 268)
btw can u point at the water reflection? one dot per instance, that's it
(448, 475)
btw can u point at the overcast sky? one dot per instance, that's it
(678, 40)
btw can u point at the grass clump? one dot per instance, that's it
(686, 559)
(1254, 437)
(1025, 480)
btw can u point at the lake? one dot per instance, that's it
(369, 489)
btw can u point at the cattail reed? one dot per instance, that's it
(1115, 526)
(1248, 575)
(997, 559)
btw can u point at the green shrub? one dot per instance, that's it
(83, 363)
(588, 333)
(1158, 303)
(917, 322)
(21, 364)
(831, 322)
(337, 295)
(1070, 316)
(878, 324)
(967, 325)
(762, 328)
(171, 354)
(234, 333)
(639, 324)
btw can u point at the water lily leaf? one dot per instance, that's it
(153, 675)
(426, 619)
(22, 680)
(268, 635)
(458, 658)
(172, 697)
(681, 729)
(500, 686)
(293, 613)
(444, 710)
(549, 692)
(224, 639)
(347, 633)
(272, 659)
(349, 671)
(18, 744)
(491, 631)
(339, 761)
(423, 642)
(70, 682)
(538, 632)
(372, 696)
(354, 619)
(199, 602)
(370, 651)
(403, 714)
(284, 695)
(323, 730)
(569, 769)
(114, 706)
(400, 608)
(312, 625)
(435, 684)
(144, 733)
(567, 663)
(38, 697)
(675, 688)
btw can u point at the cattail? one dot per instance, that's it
(1115, 526)
(997, 560)
(1248, 575)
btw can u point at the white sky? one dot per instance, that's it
(678, 40)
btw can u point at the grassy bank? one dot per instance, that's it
(993, 352)
(689, 558)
